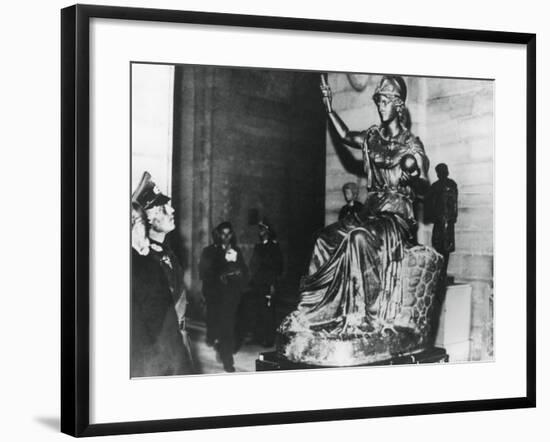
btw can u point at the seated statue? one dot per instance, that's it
(368, 293)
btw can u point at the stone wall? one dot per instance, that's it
(454, 120)
(269, 155)
(460, 133)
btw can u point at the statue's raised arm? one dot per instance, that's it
(350, 138)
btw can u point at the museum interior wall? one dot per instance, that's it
(454, 120)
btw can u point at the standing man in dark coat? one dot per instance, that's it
(233, 275)
(266, 267)
(159, 342)
(443, 208)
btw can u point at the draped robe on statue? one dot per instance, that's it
(359, 300)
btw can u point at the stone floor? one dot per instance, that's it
(207, 360)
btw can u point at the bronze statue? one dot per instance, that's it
(369, 289)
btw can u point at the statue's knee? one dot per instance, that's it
(358, 236)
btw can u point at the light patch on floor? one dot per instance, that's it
(207, 360)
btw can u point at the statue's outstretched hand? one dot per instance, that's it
(326, 94)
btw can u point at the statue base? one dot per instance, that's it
(346, 350)
(271, 361)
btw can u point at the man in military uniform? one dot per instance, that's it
(443, 209)
(159, 340)
(266, 267)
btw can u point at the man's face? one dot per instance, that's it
(349, 195)
(162, 218)
(226, 235)
(442, 172)
(386, 109)
(263, 232)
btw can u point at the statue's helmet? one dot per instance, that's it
(391, 86)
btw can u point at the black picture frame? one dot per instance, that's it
(75, 212)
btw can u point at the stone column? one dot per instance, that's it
(192, 163)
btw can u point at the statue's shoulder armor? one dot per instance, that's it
(372, 136)
(413, 143)
(372, 131)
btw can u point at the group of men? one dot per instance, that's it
(226, 277)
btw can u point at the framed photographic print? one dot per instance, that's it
(303, 220)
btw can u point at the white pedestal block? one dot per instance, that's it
(455, 322)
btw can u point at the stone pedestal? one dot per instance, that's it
(455, 322)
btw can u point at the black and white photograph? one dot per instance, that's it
(275, 221)
(294, 220)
